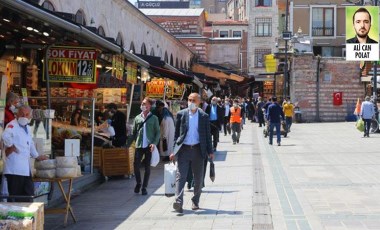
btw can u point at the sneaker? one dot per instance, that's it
(234, 143)
(279, 144)
(177, 207)
(194, 207)
(144, 192)
(270, 143)
(237, 140)
(137, 188)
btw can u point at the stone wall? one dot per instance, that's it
(336, 75)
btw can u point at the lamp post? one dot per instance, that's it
(286, 36)
(374, 93)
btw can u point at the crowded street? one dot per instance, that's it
(324, 176)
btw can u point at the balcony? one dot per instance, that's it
(322, 31)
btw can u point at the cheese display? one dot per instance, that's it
(79, 171)
(67, 162)
(46, 164)
(45, 173)
(66, 172)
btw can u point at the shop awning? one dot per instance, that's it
(46, 16)
(216, 73)
(172, 75)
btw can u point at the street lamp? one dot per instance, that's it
(286, 36)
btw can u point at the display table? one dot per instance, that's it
(67, 196)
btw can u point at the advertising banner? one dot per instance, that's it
(71, 64)
(156, 87)
(132, 72)
(118, 66)
(362, 33)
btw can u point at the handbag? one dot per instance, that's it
(360, 125)
(155, 157)
(170, 179)
(164, 144)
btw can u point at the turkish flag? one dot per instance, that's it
(338, 98)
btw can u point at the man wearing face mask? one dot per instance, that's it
(216, 115)
(11, 107)
(118, 122)
(19, 148)
(146, 134)
(192, 145)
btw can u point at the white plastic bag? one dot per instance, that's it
(111, 131)
(169, 179)
(155, 157)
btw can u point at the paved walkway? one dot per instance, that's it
(324, 176)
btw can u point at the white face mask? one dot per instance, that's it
(23, 121)
(143, 108)
(13, 108)
(191, 105)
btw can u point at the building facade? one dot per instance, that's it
(238, 10)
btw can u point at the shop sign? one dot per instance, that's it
(118, 66)
(132, 72)
(156, 87)
(178, 90)
(24, 93)
(72, 64)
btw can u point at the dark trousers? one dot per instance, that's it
(367, 126)
(226, 121)
(288, 122)
(20, 186)
(215, 133)
(186, 157)
(140, 152)
(236, 129)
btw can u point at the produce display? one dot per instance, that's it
(67, 162)
(66, 172)
(46, 164)
(46, 173)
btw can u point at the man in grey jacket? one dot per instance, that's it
(192, 145)
(366, 112)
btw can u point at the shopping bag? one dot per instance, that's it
(212, 171)
(360, 125)
(169, 179)
(155, 157)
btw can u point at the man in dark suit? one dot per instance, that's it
(216, 115)
(192, 145)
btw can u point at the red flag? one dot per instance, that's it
(338, 98)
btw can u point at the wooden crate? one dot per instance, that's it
(115, 161)
(98, 158)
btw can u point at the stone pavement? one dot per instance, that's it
(324, 176)
(225, 204)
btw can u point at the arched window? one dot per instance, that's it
(152, 52)
(132, 48)
(48, 5)
(119, 39)
(160, 54)
(101, 31)
(80, 18)
(171, 59)
(166, 58)
(185, 65)
(176, 63)
(181, 65)
(143, 49)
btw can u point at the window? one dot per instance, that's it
(119, 40)
(263, 2)
(260, 57)
(151, 52)
(236, 34)
(101, 31)
(143, 49)
(47, 5)
(322, 21)
(79, 18)
(223, 34)
(263, 27)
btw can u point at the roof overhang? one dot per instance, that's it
(216, 73)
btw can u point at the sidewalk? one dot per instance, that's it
(225, 204)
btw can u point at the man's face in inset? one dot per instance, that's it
(362, 24)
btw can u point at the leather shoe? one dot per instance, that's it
(177, 207)
(137, 188)
(194, 207)
(144, 192)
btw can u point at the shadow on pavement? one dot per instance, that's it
(219, 191)
(205, 211)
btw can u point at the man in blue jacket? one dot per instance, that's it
(274, 116)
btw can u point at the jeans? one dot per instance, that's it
(278, 132)
(225, 126)
(288, 122)
(367, 126)
(140, 152)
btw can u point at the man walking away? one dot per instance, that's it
(288, 109)
(226, 121)
(275, 115)
(192, 146)
(366, 112)
(146, 134)
(235, 121)
(260, 113)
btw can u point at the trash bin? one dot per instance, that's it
(298, 114)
